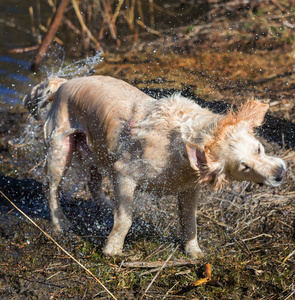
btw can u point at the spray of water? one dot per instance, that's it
(30, 141)
(75, 181)
(79, 68)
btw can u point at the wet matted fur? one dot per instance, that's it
(168, 146)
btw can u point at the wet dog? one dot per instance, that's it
(168, 146)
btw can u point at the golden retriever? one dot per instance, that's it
(168, 146)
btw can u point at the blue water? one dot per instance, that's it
(16, 78)
(19, 62)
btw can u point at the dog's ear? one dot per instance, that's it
(210, 173)
(196, 156)
(253, 112)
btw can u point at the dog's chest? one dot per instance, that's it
(171, 180)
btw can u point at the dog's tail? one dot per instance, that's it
(41, 95)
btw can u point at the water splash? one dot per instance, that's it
(75, 181)
(79, 68)
(31, 139)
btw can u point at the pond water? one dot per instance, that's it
(15, 33)
(18, 30)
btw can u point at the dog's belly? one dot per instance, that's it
(169, 184)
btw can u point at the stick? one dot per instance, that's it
(291, 254)
(49, 35)
(156, 264)
(83, 25)
(150, 30)
(23, 50)
(163, 266)
(31, 12)
(59, 246)
(116, 13)
(152, 16)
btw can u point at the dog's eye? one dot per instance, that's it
(244, 167)
(259, 149)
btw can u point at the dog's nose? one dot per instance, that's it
(280, 174)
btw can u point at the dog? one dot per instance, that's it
(167, 146)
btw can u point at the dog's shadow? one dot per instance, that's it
(89, 219)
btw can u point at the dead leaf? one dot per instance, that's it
(207, 274)
(201, 281)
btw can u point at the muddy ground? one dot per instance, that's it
(247, 231)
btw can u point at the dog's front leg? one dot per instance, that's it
(187, 202)
(124, 188)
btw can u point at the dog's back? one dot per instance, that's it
(97, 105)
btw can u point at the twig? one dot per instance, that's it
(237, 229)
(289, 296)
(152, 15)
(163, 266)
(213, 220)
(31, 13)
(170, 290)
(50, 34)
(140, 12)
(130, 18)
(156, 264)
(150, 271)
(159, 250)
(23, 50)
(36, 166)
(238, 196)
(108, 18)
(286, 23)
(249, 239)
(39, 18)
(291, 254)
(44, 29)
(83, 25)
(116, 13)
(71, 25)
(53, 266)
(58, 245)
(278, 5)
(150, 30)
(52, 276)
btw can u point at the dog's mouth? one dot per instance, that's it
(275, 179)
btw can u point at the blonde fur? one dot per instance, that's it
(41, 95)
(170, 146)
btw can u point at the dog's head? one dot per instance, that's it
(231, 152)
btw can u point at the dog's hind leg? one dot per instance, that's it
(95, 187)
(59, 155)
(124, 188)
(187, 202)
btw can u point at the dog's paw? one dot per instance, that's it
(192, 249)
(110, 250)
(62, 226)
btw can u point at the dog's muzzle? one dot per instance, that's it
(280, 174)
